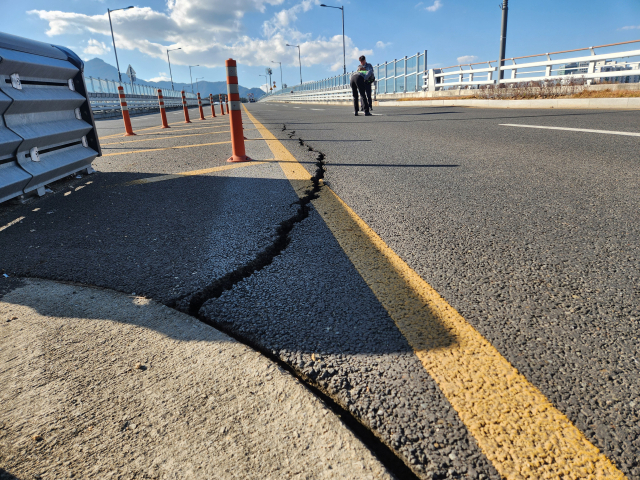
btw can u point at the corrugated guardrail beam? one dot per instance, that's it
(47, 129)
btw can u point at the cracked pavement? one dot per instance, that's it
(536, 248)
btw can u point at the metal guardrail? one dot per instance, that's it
(590, 67)
(100, 85)
(410, 75)
(47, 130)
(398, 76)
(108, 105)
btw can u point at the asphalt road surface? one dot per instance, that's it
(529, 235)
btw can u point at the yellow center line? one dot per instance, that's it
(515, 425)
(162, 178)
(166, 148)
(165, 138)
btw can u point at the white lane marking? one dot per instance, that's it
(377, 114)
(609, 132)
(12, 223)
(318, 109)
(296, 107)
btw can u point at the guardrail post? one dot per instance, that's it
(235, 120)
(163, 113)
(185, 108)
(213, 110)
(200, 107)
(125, 113)
(404, 88)
(431, 80)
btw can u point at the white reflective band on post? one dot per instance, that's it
(124, 108)
(235, 105)
(232, 71)
(232, 88)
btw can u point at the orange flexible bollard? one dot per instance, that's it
(221, 105)
(184, 107)
(213, 111)
(235, 115)
(163, 113)
(226, 101)
(200, 107)
(125, 113)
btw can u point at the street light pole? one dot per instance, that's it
(266, 81)
(280, 73)
(190, 67)
(114, 40)
(503, 38)
(299, 60)
(170, 74)
(344, 50)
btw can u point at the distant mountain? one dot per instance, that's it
(98, 68)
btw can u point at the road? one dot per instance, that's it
(469, 294)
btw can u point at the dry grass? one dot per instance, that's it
(426, 99)
(534, 91)
(607, 94)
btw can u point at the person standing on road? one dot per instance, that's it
(357, 85)
(366, 69)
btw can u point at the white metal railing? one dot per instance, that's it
(590, 67)
(399, 76)
(103, 97)
(100, 85)
(411, 75)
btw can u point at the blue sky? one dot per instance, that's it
(255, 32)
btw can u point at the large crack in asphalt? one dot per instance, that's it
(192, 303)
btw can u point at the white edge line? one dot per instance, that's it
(608, 132)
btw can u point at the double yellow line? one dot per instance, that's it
(515, 425)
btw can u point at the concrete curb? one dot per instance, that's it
(569, 103)
(98, 384)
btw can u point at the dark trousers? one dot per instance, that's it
(358, 86)
(367, 91)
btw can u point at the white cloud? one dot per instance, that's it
(631, 27)
(436, 6)
(419, 4)
(209, 32)
(467, 59)
(95, 47)
(162, 77)
(380, 44)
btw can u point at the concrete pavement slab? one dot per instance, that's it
(97, 384)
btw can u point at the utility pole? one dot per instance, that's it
(280, 72)
(503, 38)
(299, 60)
(114, 40)
(344, 51)
(171, 74)
(190, 67)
